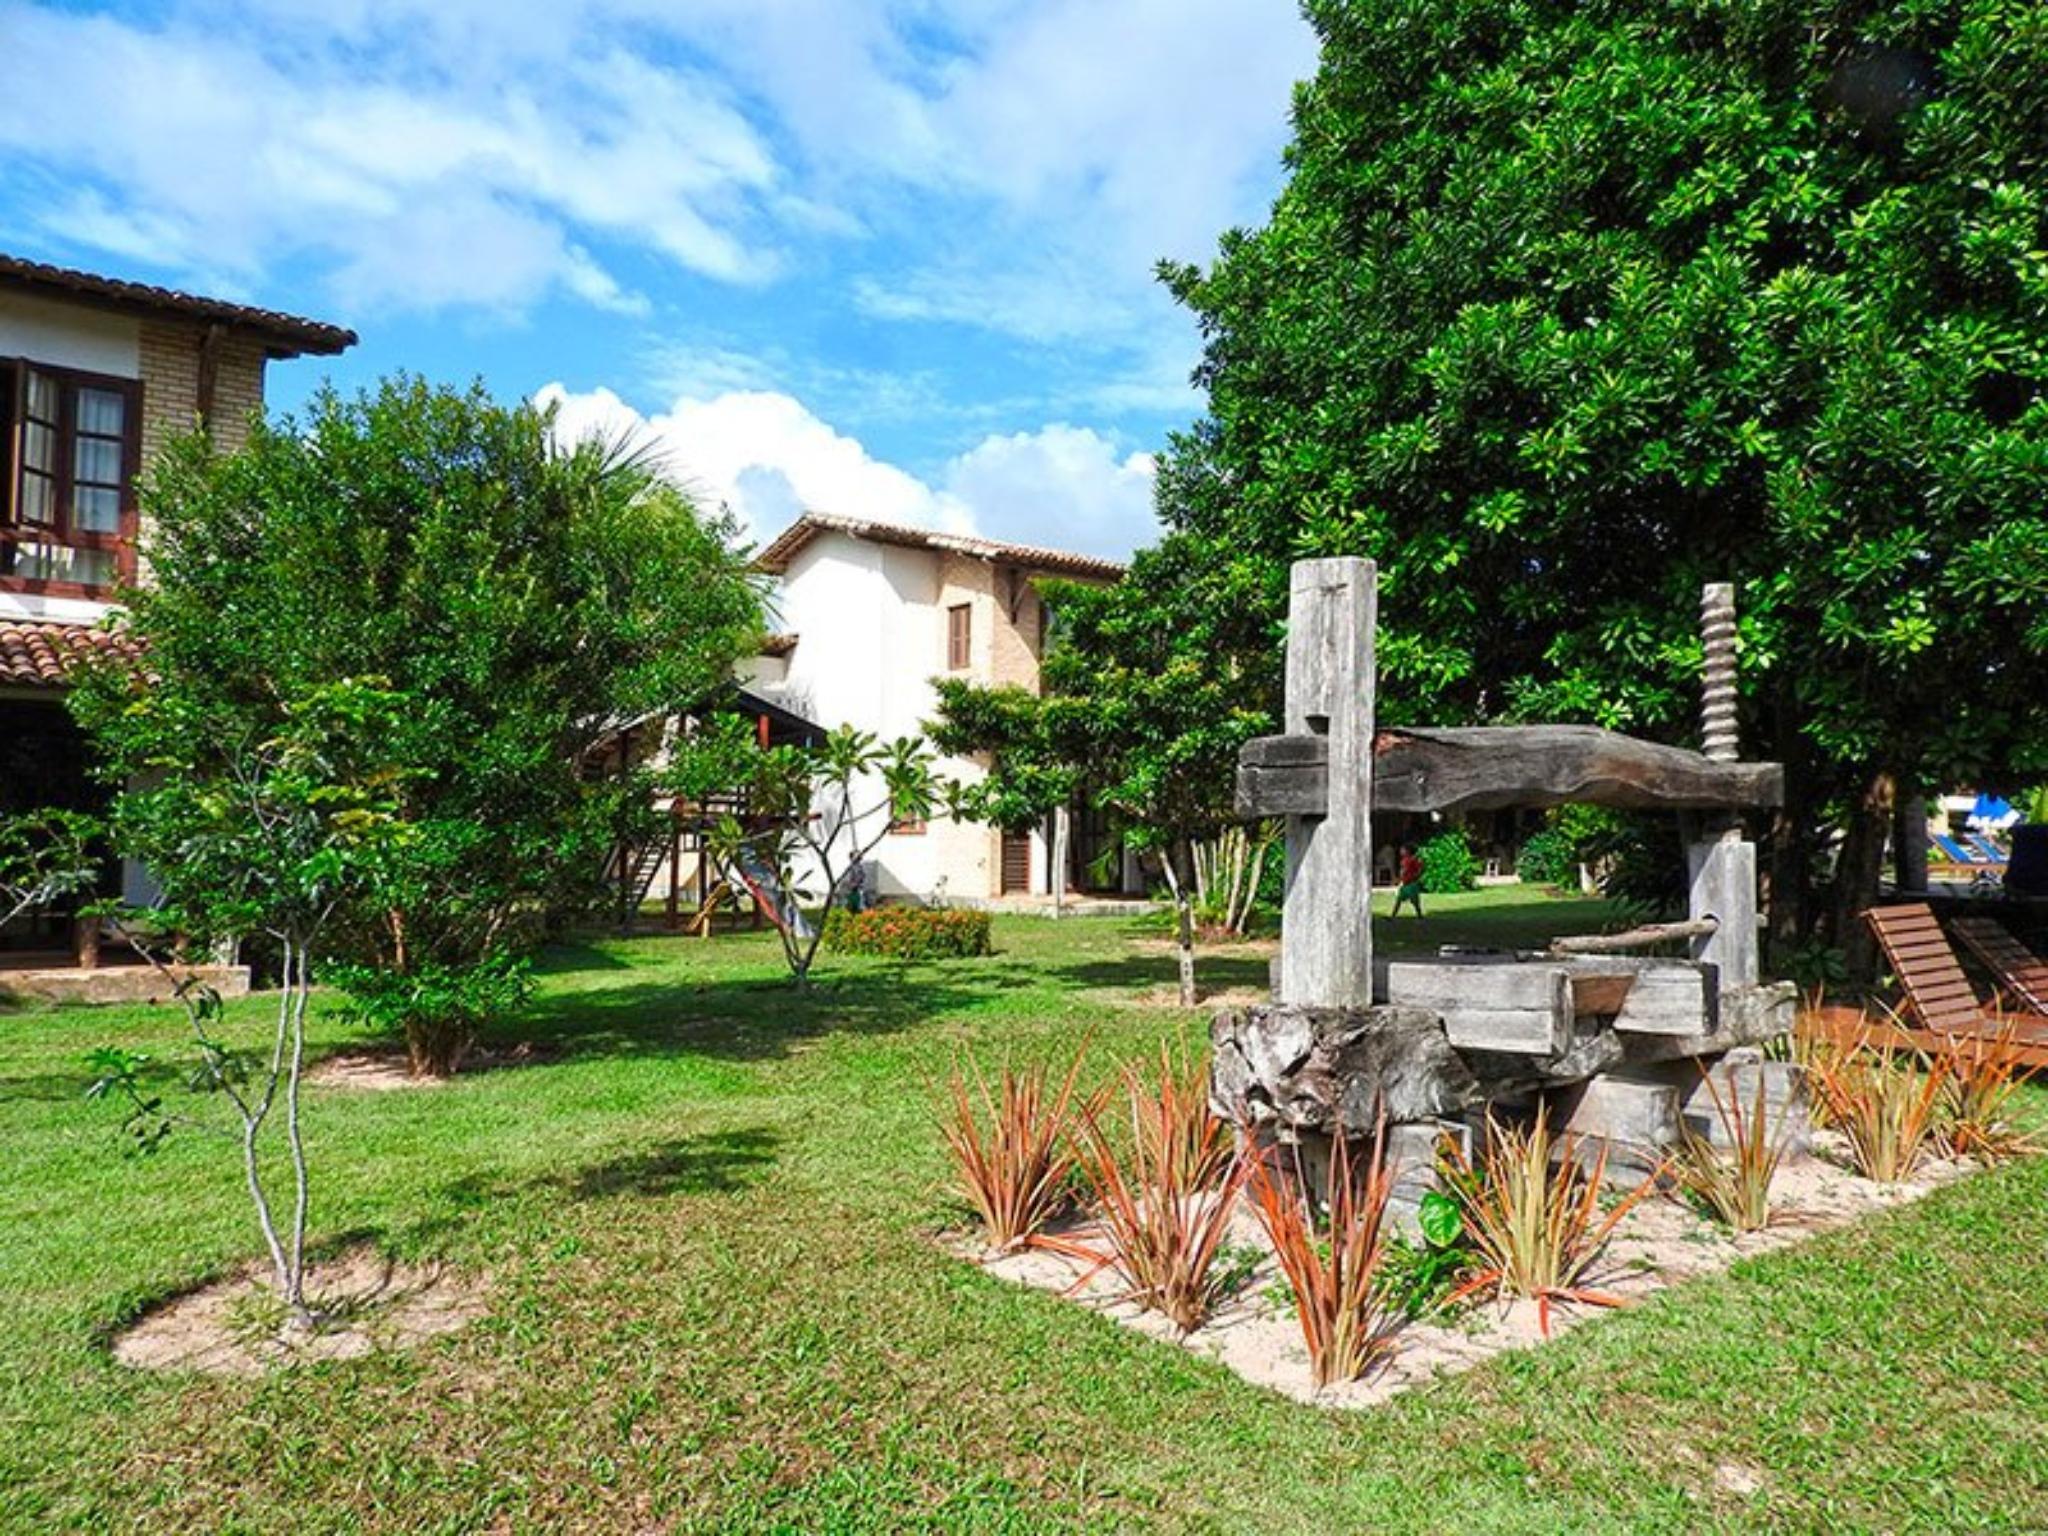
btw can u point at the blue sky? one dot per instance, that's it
(884, 257)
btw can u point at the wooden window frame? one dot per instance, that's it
(959, 637)
(61, 533)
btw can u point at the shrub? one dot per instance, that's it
(1548, 858)
(1534, 1219)
(438, 1009)
(908, 933)
(1011, 1146)
(1448, 863)
(1165, 1199)
(1337, 1274)
(1885, 1102)
(1735, 1182)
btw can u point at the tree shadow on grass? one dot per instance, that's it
(752, 1018)
(708, 1163)
(1147, 972)
(712, 1163)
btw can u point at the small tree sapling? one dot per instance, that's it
(272, 836)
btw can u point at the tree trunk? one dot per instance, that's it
(1180, 876)
(1857, 871)
(1909, 844)
(1788, 878)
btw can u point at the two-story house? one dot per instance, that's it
(96, 375)
(872, 613)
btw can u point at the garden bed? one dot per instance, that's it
(1661, 1243)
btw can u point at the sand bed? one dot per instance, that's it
(231, 1327)
(1660, 1243)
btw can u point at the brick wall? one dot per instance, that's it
(170, 357)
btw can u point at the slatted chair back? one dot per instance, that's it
(1924, 962)
(2021, 973)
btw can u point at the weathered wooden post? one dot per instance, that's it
(1326, 942)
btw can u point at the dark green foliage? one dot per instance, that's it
(518, 599)
(1566, 310)
(1547, 858)
(908, 933)
(1448, 863)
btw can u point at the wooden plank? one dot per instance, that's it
(1524, 1008)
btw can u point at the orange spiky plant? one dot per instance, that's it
(1011, 1145)
(1532, 1209)
(1162, 1188)
(1735, 1182)
(1886, 1101)
(1982, 1073)
(1336, 1272)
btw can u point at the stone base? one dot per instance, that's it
(115, 983)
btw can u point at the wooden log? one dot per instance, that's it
(1633, 939)
(1422, 770)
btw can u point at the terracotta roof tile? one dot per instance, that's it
(783, 548)
(288, 335)
(41, 655)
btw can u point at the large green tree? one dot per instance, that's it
(522, 598)
(1569, 308)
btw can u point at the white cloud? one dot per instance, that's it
(1044, 152)
(420, 181)
(767, 457)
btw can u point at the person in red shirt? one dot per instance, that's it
(1410, 877)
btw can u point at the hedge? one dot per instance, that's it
(908, 933)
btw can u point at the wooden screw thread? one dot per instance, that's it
(1717, 711)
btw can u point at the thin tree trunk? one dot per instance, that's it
(300, 982)
(1179, 868)
(252, 1126)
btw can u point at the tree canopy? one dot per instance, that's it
(520, 599)
(1568, 309)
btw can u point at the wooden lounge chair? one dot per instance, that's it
(1936, 989)
(2019, 972)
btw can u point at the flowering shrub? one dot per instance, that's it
(908, 933)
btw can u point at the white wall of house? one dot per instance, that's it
(871, 625)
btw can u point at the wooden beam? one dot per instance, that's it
(1478, 768)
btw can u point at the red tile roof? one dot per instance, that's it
(286, 335)
(36, 654)
(784, 547)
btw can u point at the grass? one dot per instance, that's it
(707, 1212)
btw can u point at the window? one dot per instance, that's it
(908, 826)
(68, 449)
(959, 637)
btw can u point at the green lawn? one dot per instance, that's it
(707, 1212)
